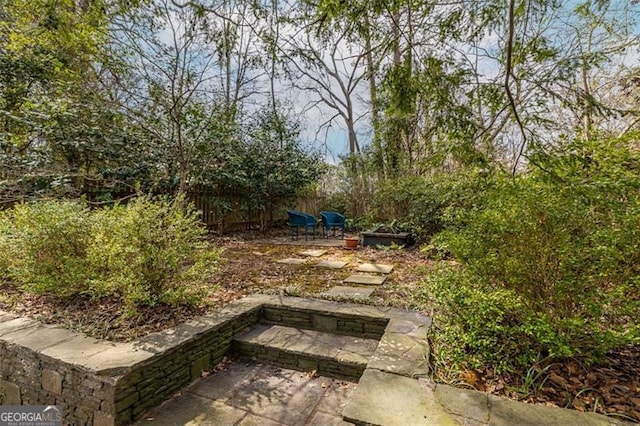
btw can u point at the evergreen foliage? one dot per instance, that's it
(547, 262)
(146, 252)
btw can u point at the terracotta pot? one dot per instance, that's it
(351, 242)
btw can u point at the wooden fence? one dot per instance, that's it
(226, 213)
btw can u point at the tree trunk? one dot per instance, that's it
(373, 94)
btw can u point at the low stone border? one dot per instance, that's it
(390, 399)
(105, 383)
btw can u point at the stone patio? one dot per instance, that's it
(249, 393)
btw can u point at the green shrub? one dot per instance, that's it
(6, 246)
(478, 325)
(548, 267)
(140, 249)
(48, 246)
(146, 252)
(424, 205)
(337, 202)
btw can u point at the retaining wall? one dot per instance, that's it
(105, 383)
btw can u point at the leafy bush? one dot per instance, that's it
(424, 205)
(548, 264)
(275, 167)
(479, 325)
(48, 246)
(353, 184)
(140, 249)
(5, 244)
(145, 252)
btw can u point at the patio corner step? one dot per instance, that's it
(327, 354)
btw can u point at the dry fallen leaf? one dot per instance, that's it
(470, 377)
(558, 380)
(572, 368)
(577, 404)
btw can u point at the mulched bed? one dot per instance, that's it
(103, 318)
(248, 268)
(612, 388)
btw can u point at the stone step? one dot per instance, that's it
(332, 264)
(328, 354)
(375, 267)
(365, 279)
(292, 261)
(346, 291)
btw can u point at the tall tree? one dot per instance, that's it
(59, 129)
(329, 65)
(173, 92)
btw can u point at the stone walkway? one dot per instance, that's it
(394, 390)
(248, 393)
(389, 393)
(375, 274)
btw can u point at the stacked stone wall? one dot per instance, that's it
(335, 322)
(28, 377)
(151, 383)
(115, 383)
(106, 383)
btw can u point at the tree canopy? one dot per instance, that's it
(102, 97)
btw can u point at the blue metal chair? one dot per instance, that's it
(301, 220)
(332, 221)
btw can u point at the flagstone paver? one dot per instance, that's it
(375, 267)
(350, 291)
(313, 253)
(393, 400)
(292, 261)
(248, 393)
(365, 279)
(470, 407)
(77, 349)
(332, 264)
(17, 324)
(38, 338)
